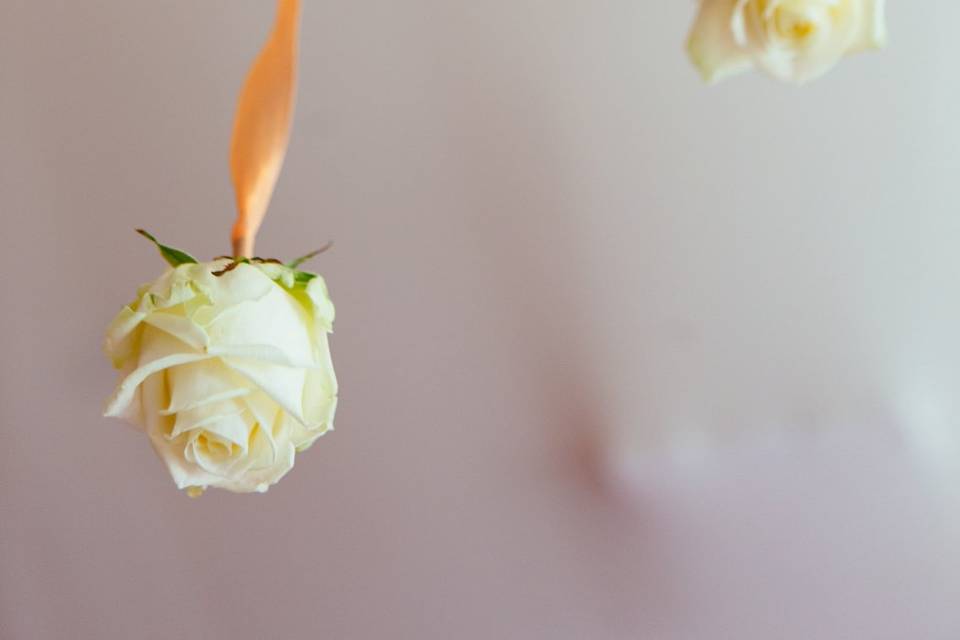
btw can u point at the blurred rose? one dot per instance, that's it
(794, 40)
(226, 367)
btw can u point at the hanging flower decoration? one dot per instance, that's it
(792, 40)
(225, 365)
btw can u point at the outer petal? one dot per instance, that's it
(181, 327)
(278, 273)
(323, 310)
(159, 351)
(268, 354)
(275, 320)
(154, 395)
(242, 283)
(303, 437)
(320, 391)
(313, 295)
(132, 411)
(122, 336)
(169, 290)
(873, 26)
(784, 66)
(267, 415)
(172, 288)
(712, 46)
(284, 385)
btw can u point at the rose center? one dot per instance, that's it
(797, 22)
(216, 447)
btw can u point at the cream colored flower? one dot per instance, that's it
(226, 367)
(793, 40)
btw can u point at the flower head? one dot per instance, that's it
(226, 367)
(793, 40)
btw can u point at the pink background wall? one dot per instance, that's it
(554, 246)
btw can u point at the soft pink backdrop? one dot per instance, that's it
(501, 179)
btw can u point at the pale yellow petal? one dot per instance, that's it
(872, 33)
(712, 46)
(159, 351)
(267, 415)
(184, 473)
(826, 38)
(180, 327)
(198, 383)
(259, 480)
(320, 391)
(275, 320)
(154, 396)
(225, 419)
(323, 309)
(242, 283)
(284, 385)
(122, 336)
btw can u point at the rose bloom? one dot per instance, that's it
(227, 369)
(793, 40)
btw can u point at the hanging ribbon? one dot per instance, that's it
(261, 130)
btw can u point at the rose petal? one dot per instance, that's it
(172, 288)
(184, 473)
(279, 273)
(181, 328)
(132, 411)
(202, 449)
(323, 310)
(225, 419)
(193, 385)
(153, 396)
(303, 437)
(268, 354)
(159, 351)
(262, 454)
(873, 27)
(120, 344)
(275, 320)
(320, 392)
(242, 284)
(259, 480)
(284, 385)
(712, 46)
(267, 414)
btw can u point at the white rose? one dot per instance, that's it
(795, 40)
(226, 367)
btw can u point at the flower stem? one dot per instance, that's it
(243, 246)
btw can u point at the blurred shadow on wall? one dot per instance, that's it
(525, 208)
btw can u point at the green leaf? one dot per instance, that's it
(174, 257)
(313, 254)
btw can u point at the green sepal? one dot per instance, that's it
(293, 264)
(174, 257)
(303, 277)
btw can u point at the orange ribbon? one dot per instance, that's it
(261, 131)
